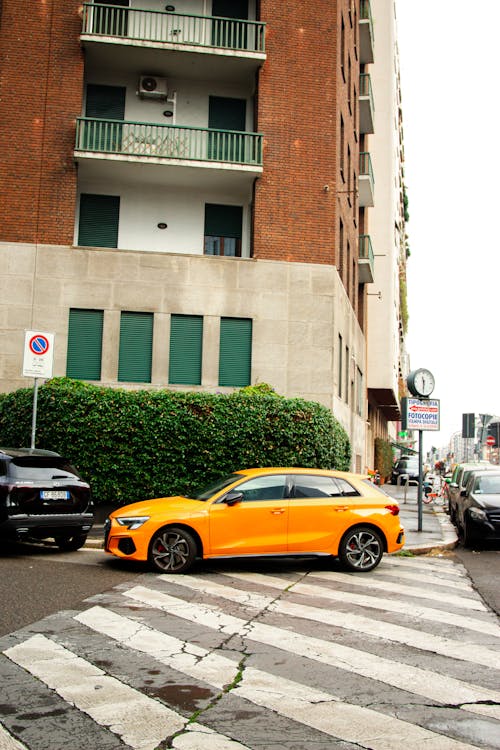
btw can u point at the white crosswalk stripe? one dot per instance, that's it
(249, 637)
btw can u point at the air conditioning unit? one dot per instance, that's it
(152, 87)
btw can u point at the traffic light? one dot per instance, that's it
(468, 425)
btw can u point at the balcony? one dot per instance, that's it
(366, 260)
(134, 39)
(366, 37)
(366, 181)
(231, 156)
(366, 105)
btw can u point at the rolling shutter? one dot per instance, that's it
(235, 353)
(186, 335)
(99, 218)
(83, 359)
(136, 347)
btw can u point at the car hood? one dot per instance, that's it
(175, 504)
(488, 502)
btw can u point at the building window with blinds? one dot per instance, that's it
(186, 347)
(235, 352)
(136, 347)
(83, 358)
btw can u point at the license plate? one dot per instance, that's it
(54, 495)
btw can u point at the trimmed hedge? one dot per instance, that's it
(132, 445)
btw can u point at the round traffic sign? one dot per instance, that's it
(39, 344)
(490, 440)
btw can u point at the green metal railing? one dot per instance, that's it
(168, 141)
(365, 13)
(366, 249)
(365, 87)
(157, 26)
(365, 166)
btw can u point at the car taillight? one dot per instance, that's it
(393, 509)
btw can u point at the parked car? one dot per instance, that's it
(42, 496)
(459, 478)
(405, 465)
(264, 512)
(477, 515)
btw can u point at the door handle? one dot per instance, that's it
(277, 511)
(341, 507)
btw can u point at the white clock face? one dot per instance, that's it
(424, 382)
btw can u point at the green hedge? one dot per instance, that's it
(132, 445)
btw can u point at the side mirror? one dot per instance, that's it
(232, 498)
(463, 493)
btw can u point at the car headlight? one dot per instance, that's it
(132, 522)
(477, 514)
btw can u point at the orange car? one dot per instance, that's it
(262, 512)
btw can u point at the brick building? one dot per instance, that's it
(186, 198)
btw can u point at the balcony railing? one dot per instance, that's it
(141, 139)
(366, 36)
(366, 104)
(366, 180)
(181, 29)
(366, 259)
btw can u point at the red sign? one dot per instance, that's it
(490, 440)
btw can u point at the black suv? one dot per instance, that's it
(406, 465)
(42, 496)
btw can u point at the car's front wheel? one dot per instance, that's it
(466, 535)
(70, 542)
(172, 550)
(361, 549)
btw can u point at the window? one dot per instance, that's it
(235, 352)
(347, 374)
(99, 217)
(314, 486)
(359, 392)
(346, 489)
(83, 358)
(186, 338)
(223, 230)
(136, 347)
(263, 488)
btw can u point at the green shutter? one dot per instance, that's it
(83, 359)
(235, 353)
(99, 218)
(136, 347)
(186, 334)
(223, 221)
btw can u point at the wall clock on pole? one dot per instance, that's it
(420, 382)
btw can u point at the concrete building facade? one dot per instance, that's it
(186, 195)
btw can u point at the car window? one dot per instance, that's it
(314, 486)
(41, 468)
(263, 488)
(214, 487)
(346, 487)
(488, 485)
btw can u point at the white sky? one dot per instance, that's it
(451, 111)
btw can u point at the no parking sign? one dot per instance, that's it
(38, 354)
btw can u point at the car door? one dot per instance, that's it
(320, 510)
(255, 524)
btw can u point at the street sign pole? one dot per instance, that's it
(420, 479)
(33, 418)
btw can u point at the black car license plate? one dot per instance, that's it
(54, 494)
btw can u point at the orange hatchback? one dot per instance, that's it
(262, 512)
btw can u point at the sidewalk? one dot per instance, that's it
(437, 530)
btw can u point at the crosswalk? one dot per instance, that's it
(232, 659)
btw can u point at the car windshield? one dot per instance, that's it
(488, 485)
(211, 489)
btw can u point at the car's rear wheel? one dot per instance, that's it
(172, 550)
(361, 549)
(70, 542)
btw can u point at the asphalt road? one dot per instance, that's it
(36, 581)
